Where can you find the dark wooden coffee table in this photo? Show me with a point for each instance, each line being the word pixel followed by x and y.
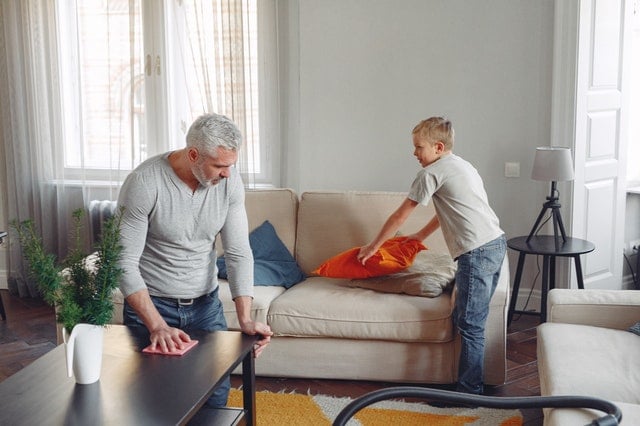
pixel 134 388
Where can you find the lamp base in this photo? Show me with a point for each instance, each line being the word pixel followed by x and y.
pixel 553 205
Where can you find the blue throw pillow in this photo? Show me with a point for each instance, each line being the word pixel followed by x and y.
pixel 273 264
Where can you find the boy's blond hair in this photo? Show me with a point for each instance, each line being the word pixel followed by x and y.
pixel 436 129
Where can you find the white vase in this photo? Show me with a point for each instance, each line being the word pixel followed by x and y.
pixel 84 352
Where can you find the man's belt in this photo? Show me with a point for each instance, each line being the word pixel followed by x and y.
pixel 183 301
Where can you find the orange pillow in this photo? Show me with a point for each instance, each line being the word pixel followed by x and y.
pixel 394 255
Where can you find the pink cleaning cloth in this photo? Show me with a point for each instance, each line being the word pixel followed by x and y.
pixel 185 347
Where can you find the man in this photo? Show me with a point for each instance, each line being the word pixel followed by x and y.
pixel 174 206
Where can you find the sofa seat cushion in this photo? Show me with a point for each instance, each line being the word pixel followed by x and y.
pixel 585 360
pixel 328 307
pixel 263 296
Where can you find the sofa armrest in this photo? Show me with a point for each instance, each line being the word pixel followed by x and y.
pixel 618 309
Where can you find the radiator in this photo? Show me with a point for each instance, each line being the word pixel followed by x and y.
pixel 99 211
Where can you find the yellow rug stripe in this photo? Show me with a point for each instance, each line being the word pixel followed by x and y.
pixel 320 410
pixel 283 409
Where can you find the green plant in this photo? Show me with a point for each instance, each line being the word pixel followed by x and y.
pixel 79 288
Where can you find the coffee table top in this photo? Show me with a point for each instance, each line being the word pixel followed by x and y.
pixel 134 387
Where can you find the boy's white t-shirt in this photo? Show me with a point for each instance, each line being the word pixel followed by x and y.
pixel 460 201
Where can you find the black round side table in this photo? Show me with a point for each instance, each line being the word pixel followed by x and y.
pixel 549 247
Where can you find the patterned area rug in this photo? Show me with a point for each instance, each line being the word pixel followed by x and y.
pixel 294 409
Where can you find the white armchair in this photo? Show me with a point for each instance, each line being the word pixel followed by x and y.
pixel 585 348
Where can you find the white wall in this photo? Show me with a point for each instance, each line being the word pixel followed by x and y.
pixel 357 75
pixel 369 70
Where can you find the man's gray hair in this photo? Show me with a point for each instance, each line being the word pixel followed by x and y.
pixel 210 131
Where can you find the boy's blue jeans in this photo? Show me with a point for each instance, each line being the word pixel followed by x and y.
pixel 476 281
pixel 204 315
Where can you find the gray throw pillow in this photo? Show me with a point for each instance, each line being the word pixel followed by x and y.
pixel 430 274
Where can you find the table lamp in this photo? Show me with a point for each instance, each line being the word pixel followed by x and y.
pixel 552 164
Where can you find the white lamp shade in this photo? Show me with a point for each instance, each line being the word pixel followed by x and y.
pixel 552 163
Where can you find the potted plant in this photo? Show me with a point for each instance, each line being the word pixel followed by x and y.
pixel 80 287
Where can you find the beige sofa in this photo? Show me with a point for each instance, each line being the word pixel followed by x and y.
pixel 585 349
pixel 326 329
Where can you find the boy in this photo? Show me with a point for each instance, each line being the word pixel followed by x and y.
pixel 471 230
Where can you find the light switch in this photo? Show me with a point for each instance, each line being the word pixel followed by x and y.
pixel 512 169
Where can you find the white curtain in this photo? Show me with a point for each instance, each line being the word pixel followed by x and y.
pixel 216 56
pixel 31 125
pixel 59 131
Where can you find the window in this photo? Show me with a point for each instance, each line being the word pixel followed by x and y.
pixel 135 73
pixel 102 84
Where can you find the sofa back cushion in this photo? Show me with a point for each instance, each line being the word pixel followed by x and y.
pixel 279 207
pixel 330 222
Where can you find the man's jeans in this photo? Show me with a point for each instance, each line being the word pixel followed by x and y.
pixel 476 281
pixel 206 314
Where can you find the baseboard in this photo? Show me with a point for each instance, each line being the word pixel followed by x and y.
pixel 627 283
pixel 528 300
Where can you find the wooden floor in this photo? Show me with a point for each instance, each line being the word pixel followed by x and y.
pixel 29 332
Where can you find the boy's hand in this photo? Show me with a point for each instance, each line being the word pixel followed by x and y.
pixel 365 253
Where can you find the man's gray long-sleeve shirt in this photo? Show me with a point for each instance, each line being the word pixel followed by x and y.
pixel 168 233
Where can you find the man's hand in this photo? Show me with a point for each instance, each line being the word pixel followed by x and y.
pixel 263 330
pixel 249 326
pixel 163 337
pixel 168 339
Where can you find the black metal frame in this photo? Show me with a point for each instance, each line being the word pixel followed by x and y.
pixel 613 414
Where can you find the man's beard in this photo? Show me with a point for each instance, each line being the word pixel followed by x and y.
pixel 201 178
